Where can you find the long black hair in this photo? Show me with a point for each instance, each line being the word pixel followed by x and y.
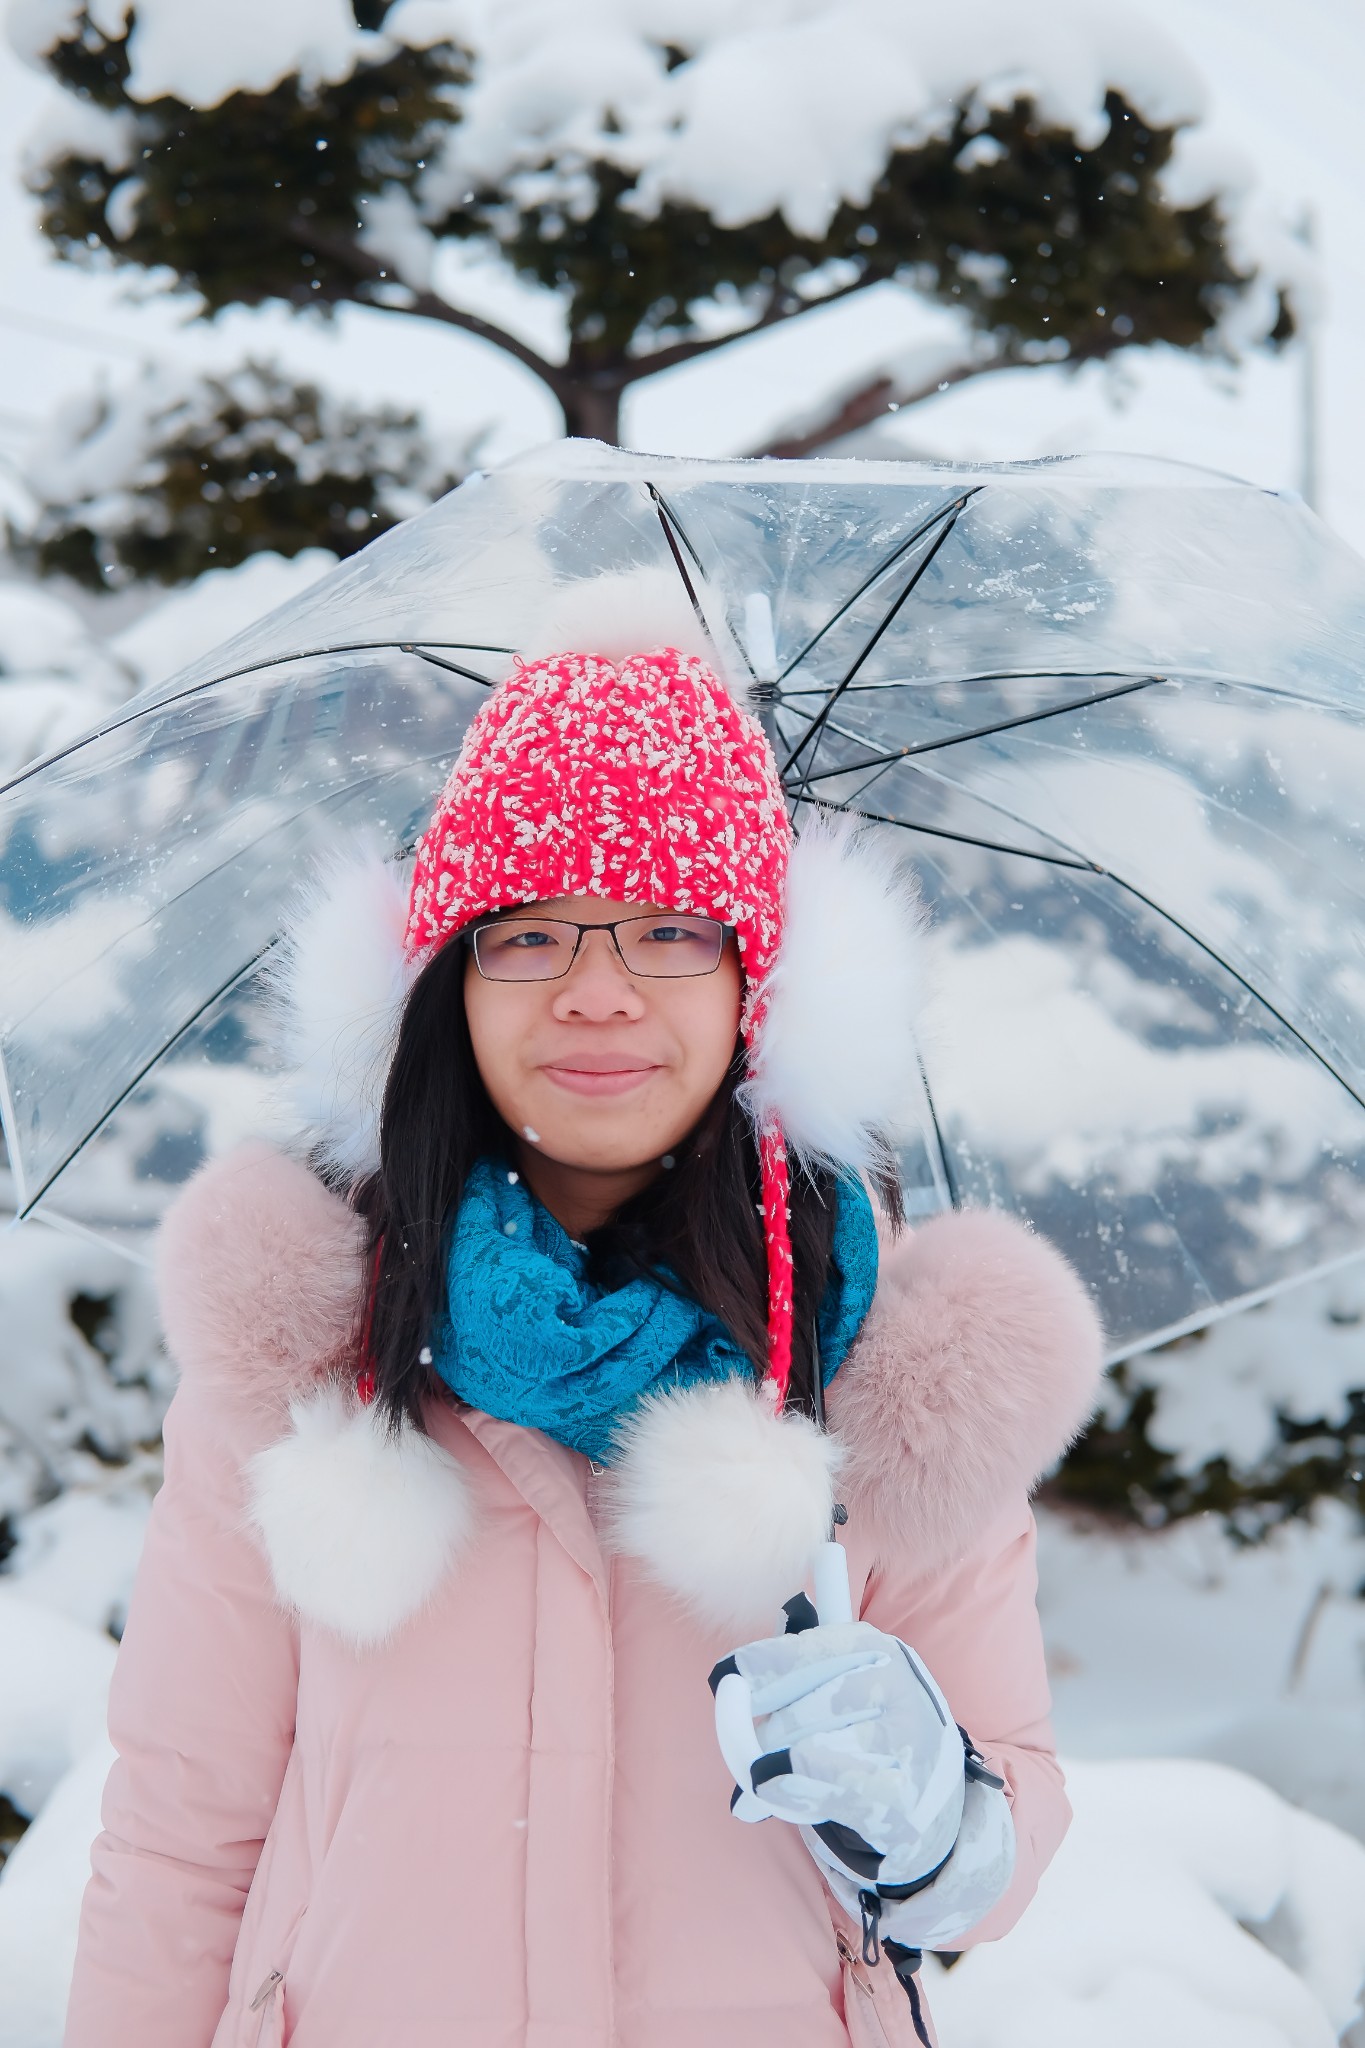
pixel 696 1227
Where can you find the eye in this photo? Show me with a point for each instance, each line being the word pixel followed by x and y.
pixel 519 938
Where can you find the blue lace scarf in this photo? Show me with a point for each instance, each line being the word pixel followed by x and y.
pixel 527 1337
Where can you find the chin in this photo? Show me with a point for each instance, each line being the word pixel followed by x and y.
pixel 602 1137
pixel 602 1144
pixel 594 1156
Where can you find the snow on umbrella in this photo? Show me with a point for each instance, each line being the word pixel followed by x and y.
pixel 1113 712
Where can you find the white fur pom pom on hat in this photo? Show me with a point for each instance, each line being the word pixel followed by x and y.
pixel 834 1062
pixel 339 990
pixel 359 1526
pixel 723 1502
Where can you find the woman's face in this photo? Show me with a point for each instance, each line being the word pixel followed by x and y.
pixel 603 1072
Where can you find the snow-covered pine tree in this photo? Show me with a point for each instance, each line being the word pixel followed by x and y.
pixel 678 177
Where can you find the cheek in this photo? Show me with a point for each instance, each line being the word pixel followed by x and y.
pixel 712 1025
pixel 497 1031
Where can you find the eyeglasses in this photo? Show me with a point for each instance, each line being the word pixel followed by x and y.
pixel 545 948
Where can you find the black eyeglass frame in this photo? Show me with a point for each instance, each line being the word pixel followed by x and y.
pixel 470 937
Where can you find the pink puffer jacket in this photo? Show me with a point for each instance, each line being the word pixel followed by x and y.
pixel 416 1759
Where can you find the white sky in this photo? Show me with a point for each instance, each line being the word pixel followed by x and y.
pixel 1284 87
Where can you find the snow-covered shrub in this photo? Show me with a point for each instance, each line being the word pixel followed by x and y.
pixel 1253 1418
pixel 176 474
pixel 83 1387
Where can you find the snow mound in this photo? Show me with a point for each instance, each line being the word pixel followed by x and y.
pixel 40 1903
pixel 54 1677
pixel 1188 1905
pixel 54 1757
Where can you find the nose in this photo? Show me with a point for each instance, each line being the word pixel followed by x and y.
pixel 597 987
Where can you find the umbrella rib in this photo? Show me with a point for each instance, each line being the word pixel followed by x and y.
pixel 454 668
pixel 1055 860
pixel 668 517
pixel 976 732
pixel 950 510
pixel 232 675
pixel 821 718
pixel 988 675
pixel 1258 995
pixel 674 531
pixel 9 1130
pixel 1220 1311
pixel 681 566
pixel 238 974
pixel 950 1178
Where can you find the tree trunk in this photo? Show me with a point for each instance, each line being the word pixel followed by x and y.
pixel 592 410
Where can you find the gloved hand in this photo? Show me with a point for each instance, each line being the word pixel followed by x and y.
pixel 840 1729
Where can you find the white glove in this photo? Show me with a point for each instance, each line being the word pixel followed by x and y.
pixel 841 1730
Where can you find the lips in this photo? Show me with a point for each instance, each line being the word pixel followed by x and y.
pixel 600 1073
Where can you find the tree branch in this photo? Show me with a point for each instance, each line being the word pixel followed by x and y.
pixel 426 305
pixel 782 306
pixel 871 402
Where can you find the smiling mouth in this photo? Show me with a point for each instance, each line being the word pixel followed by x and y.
pixel 600 1074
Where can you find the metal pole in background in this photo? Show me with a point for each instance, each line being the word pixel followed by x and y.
pixel 1310 477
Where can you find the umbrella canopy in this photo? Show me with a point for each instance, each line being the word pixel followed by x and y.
pixel 1113 712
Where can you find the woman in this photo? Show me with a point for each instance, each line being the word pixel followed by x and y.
pixel 500 1431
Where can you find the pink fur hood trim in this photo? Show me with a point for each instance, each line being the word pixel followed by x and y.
pixel 978 1364
pixel 258 1278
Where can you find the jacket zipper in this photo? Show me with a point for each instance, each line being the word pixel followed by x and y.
pixel 275 1977
pixel 848 1954
pixel 261 2002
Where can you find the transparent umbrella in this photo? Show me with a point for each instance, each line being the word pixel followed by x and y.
pixel 1112 711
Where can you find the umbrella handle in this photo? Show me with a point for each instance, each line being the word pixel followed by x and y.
pixel 829 1572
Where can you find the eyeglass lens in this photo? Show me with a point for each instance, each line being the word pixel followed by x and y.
pixel 542 949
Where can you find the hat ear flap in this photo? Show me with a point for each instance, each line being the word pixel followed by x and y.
pixel 339 988
pixel 834 1059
